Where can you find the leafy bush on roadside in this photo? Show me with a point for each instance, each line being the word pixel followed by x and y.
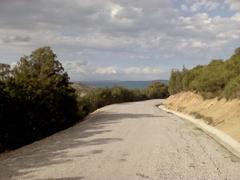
pixel 35 100
pixel 232 90
pixel 157 90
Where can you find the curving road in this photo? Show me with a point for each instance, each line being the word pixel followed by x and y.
pixel 124 142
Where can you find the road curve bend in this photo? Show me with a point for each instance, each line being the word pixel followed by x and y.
pixel 130 141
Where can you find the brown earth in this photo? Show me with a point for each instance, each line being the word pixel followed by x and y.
pixel 220 113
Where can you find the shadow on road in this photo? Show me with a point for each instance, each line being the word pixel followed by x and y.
pixel 66 178
pixel 54 150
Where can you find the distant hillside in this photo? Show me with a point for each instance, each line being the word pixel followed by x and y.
pixel 125 84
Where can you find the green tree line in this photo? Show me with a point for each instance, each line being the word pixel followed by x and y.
pixel 217 79
pixel 100 97
pixel 37 99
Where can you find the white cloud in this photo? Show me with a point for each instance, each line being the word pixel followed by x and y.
pixel 131 70
pixel 202 5
pixel 144 70
pixel 236 17
pixel 83 68
pixel 205 4
pixel 73 67
pixel 16 39
pixel 234 4
pixel 115 9
pixel 198 44
pixel 184 7
pixel 106 70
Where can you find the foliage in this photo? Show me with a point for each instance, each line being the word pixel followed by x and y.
pixel 175 82
pixel 157 90
pixel 237 52
pixel 232 90
pixel 217 79
pixel 4 71
pixel 36 100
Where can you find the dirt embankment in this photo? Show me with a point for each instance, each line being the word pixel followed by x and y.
pixel 222 114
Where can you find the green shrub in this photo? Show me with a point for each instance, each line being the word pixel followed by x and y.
pixel 232 90
pixel 36 100
pixel 157 90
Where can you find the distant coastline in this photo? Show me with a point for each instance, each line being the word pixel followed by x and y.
pixel 125 84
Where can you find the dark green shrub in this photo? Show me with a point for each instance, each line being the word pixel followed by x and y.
pixel 157 90
pixel 36 100
pixel 232 90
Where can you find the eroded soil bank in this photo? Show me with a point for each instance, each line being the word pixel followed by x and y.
pixel 222 114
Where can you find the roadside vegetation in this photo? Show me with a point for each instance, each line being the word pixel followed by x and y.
pixel 37 99
pixel 100 97
pixel 208 120
pixel 217 79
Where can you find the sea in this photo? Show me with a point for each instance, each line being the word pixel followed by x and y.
pixel 125 84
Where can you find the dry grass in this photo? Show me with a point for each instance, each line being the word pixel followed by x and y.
pixel 208 120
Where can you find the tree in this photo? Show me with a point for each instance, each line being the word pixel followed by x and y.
pixel 157 90
pixel 217 79
pixel 232 90
pixel 5 70
pixel 237 52
pixel 41 100
pixel 175 84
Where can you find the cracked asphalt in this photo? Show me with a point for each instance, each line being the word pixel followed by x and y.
pixel 124 142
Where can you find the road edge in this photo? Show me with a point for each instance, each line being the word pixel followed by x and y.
pixel 221 137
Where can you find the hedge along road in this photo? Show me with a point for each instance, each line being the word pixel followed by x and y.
pixel 125 141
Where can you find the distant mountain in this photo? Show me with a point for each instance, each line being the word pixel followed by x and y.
pixel 125 84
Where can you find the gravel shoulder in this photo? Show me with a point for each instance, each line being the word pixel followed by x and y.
pixel 125 141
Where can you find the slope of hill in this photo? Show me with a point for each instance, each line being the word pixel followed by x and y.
pixel 220 113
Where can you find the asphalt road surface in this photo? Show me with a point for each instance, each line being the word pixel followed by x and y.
pixel 124 142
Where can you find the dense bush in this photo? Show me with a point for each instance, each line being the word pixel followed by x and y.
pixel 217 79
pixel 232 90
pixel 35 99
pixel 157 90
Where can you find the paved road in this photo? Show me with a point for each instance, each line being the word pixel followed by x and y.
pixel 124 142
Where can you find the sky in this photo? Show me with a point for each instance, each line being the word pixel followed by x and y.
pixel 121 39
